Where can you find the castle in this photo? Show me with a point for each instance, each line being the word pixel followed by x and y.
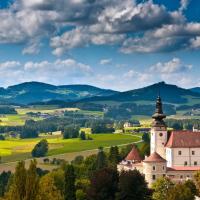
pixel 175 155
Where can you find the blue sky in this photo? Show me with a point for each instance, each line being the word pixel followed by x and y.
pixel 103 43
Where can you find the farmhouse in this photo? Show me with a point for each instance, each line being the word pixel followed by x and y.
pixel 175 154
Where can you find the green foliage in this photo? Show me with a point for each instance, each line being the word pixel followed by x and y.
pixel 144 150
pixel 82 186
pixel 161 188
pixel 71 132
pixel 2 137
pixel 82 135
pixel 90 164
pixel 29 130
pixel 114 156
pixel 17 189
pixel 78 160
pixel 101 127
pixel 104 184
pixel 7 110
pixel 180 192
pixel 40 149
pixel 4 179
pixel 101 159
pixel 146 138
pixel 48 190
pixel 70 191
pixel 197 181
pixel 32 182
pixel 132 185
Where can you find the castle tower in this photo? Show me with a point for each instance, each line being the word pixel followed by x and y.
pixel 154 167
pixel 158 130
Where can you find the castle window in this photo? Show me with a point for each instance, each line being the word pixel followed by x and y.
pixel 154 177
pixel 154 168
pixel 195 162
pixel 163 167
pixel 193 152
pixel 181 177
pixel 185 163
pixel 160 134
pixel 179 153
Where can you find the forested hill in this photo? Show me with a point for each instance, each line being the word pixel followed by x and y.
pixel 169 93
pixel 30 92
pixel 196 89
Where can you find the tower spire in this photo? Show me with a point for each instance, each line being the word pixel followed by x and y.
pixel 159 115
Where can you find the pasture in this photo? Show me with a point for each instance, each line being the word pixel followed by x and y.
pixel 20 149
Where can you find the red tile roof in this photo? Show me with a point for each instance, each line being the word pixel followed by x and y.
pixel 184 168
pixel 184 139
pixel 134 155
pixel 154 157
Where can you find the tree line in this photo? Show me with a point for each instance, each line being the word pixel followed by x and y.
pixel 92 178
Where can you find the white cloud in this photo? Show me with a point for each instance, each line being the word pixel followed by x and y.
pixel 165 39
pixel 105 61
pixel 95 22
pixel 184 4
pixel 171 67
pixel 52 72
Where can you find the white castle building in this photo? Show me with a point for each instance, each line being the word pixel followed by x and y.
pixel 175 154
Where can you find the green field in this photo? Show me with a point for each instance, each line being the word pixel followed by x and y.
pixel 17 149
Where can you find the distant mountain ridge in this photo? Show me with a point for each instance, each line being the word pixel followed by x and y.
pixel 169 93
pixel 196 89
pixel 30 92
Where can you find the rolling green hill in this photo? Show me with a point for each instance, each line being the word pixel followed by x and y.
pixel 30 92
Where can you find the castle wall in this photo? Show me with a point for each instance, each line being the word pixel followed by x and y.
pixel 183 157
pixel 153 171
pixel 178 176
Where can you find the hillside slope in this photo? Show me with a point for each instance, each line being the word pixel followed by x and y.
pixel 170 94
pixel 30 92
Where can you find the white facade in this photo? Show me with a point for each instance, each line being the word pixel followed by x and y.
pixel 183 157
pixel 158 140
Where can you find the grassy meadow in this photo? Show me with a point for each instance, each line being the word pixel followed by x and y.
pixel 17 149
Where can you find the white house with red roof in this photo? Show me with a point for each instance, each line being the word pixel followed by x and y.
pixel 175 154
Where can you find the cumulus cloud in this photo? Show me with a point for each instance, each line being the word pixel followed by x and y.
pixel 94 22
pixel 165 39
pixel 53 72
pixel 171 67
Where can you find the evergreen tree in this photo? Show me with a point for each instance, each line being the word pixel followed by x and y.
pixel 114 156
pixel 48 190
pixel 4 179
pixel 17 189
pixel 104 184
pixel 146 138
pixel 132 185
pixel 32 181
pixel 70 191
pixel 101 159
